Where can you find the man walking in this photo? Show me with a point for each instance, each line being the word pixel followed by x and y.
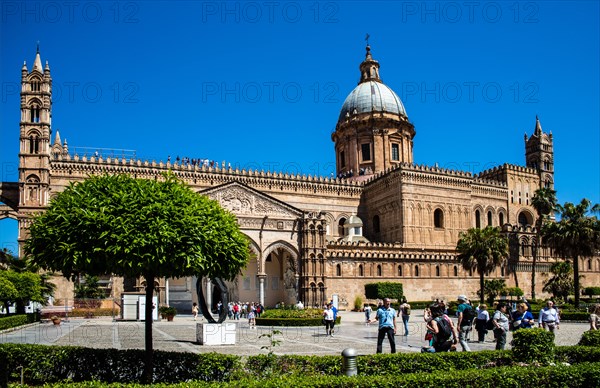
pixel 465 319
pixel 386 316
pixel 549 318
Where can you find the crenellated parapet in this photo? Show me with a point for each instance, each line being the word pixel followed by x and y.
pixel 425 174
pixel 505 168
pixel 202 175
pixel 373 251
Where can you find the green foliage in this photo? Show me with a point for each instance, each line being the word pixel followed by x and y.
pixel 166 311
pixel 13 321
pixel 20 288
pixel 287 322
pixel 89 288
pixel 514 291
pixel 482 250
pixel 293 313
pixel 591 291
pixel 590 338
pixel 562 284
pixel 384 290
pixel 132 227
pixel 575 235
pixel 358 303
pixel 533 345
pixel 492 289
pixel 273 342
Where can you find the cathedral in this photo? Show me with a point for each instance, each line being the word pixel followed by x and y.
pixel 382 218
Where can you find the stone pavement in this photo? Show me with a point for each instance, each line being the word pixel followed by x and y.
pixel 180 335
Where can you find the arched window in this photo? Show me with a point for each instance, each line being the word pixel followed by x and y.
pixel 376 224
pixel 378 270
pixel 502 271
pixel 437 270
pixel 341 227
pixel 361 272
pixel 399 270
pixel 438 218
pixel 523 219
pixel 455 271
pixel 489 218
pixel 338 270
pixel 590 264
pixel 416 270
pixel 501 219
pixel 477 219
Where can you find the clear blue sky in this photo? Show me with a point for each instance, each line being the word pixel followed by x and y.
pixel 260 84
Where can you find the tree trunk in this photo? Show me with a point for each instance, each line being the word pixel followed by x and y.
pixel 576 279
pixel 481 297
pixel 149 365
pixel 533 264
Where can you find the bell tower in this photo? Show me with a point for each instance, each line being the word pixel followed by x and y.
pixel 539 154
pixel 34 151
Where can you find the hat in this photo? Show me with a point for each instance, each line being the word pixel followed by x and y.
pixel 462 297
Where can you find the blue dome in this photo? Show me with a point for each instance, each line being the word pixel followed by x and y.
pixel 372 96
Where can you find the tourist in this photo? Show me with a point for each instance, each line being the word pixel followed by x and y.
pixel 500 321
pixel 328 319
pixel 522 318
pixel 368 310
pixel 445 336
pixel 483 316
pixel 195 310
pixel 549 318
pixel 386 316
pixel 465 320
pixel 404 310
pixel 595 317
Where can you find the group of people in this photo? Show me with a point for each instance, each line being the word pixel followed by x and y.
pixel 237 310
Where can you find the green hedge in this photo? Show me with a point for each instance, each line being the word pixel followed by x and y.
pixel 578 376
pixel 590 338
pixel 18 320
pixel 57 363
pixel 384 290
pixel 293 321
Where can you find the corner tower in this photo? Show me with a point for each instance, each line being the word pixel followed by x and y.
pixel 373 132
pixel 539 154
pixel 34 151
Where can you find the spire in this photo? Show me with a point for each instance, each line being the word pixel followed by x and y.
pixel 369 68
pixel 538 127
pixel 37 63
pixel 57 138
pixel 24 68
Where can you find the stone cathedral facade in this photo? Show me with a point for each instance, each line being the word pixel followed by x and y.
pixel 384 218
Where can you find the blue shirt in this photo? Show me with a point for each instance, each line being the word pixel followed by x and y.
pixel 386 317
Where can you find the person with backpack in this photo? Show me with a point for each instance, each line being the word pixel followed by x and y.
pixel 466 314
pixel 444 333
pixel 404 310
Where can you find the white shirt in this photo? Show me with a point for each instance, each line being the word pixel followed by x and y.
pixel 328 314
pixel 548 315
pixel 483 315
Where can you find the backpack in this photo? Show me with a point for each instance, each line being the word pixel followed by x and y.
pixel 468 316
pixel 489 325
pixel 444 330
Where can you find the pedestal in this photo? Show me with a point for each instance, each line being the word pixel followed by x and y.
pixel 216 333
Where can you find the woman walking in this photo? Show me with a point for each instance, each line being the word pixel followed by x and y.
pixel 500 320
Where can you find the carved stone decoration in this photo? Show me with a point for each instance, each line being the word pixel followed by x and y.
pixel 242 200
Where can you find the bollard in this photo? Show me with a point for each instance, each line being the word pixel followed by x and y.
pixel 349 362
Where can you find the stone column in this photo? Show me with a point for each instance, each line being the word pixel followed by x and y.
pixel 209 295
pixel 261 289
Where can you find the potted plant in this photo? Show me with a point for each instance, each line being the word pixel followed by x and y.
pixel 55 319
pixel 167 312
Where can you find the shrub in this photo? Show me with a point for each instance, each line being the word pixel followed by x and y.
pixel 384 290
pixel 92 312
pixel 591 291
pixel 590 338
pixel 533 345
pixel 13 321
pixel 358 303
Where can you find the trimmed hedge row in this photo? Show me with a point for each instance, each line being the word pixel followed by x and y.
pixel 18 320
pixel 577 376
pixel 93 312
pixel 57 363
pixel 293 321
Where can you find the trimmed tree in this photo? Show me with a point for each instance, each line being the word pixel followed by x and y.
pixel 576 235
pixel 482 250
pixel 137 227
pixel 561 285
pixel 544 203
pixel 384 290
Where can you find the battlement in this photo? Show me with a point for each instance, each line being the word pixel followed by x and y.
pixel 506 167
